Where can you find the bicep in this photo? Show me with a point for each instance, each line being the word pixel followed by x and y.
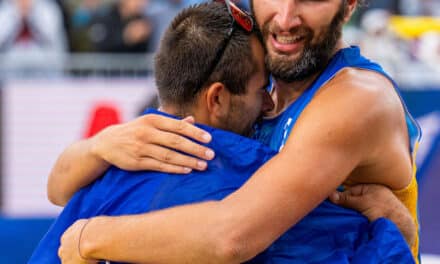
pixel 316 159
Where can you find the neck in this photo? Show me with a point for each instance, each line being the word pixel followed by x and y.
pixel 285 93
pixel 176 111
pixel 185 112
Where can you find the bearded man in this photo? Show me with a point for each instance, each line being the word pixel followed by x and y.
pixel 337 120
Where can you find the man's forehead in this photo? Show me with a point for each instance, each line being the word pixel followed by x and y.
pixel 359 2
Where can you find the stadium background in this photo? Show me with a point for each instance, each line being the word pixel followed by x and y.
pixel 50 98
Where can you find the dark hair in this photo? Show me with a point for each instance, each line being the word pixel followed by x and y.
pixel 189 47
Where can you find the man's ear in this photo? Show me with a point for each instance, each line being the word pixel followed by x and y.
pixel 217 98
pixel 351 7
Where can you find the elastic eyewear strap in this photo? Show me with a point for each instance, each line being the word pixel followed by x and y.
pixel 241 17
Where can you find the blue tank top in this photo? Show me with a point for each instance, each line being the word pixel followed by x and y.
pixel 274 132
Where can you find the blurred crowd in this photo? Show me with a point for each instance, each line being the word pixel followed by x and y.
pixel 45 29
pixel 110 26
pixel 403 36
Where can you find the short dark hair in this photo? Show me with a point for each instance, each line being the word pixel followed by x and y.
pixel 189 47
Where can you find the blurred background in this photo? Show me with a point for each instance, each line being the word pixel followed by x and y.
pixel 68 68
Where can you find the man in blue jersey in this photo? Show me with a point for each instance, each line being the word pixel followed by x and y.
pixel 213 97
pixel 121 192
pixel 342 136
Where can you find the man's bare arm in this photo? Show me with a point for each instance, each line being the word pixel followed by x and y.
pixel 142 144
pixel 322 150
pixel 231 231
pixel 317 158
pixel 375 201
pixel 76 167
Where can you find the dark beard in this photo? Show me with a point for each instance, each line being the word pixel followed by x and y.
pixel 314 57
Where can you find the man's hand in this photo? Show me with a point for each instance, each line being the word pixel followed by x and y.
pixel 375 201
pixel 147 143
pixel 69 251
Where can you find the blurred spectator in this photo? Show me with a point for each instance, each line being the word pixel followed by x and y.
pixel 32 33
pixel 406 7
pixel 431 7
pixel 410 7
pixel 428 50
pixel 379 43
pixel 161 13
pixel 81 16
pixel 65 18
pixel 184 3
pixel 391 6
pixel 122 28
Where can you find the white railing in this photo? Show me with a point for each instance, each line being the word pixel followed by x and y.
pixel 409 74
pixel 75 65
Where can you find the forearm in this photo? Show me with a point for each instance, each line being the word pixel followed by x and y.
pixel 76 167
pixel 187 234
pixel 240 226
pixel 403 220
pixel 376 201
pixel 230 231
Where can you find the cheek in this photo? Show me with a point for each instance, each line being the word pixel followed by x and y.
pixel 263 10
pixel 318 24
pixel 248 115
pixel 320 33
pixel 255 108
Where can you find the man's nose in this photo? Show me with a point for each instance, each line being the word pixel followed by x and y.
pixel 288 15
pixel 268 103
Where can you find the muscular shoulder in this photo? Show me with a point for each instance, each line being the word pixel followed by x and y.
pixel 364 92
pixel 357 108
pixel 380 115
pixel 367 84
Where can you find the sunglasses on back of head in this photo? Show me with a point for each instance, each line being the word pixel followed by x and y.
pixel 239 18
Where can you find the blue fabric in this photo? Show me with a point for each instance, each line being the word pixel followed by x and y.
pixel 274 132
pixel 330 234
pixel 20 236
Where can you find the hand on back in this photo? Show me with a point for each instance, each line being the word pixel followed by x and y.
pixel 375 201
pixel 150 143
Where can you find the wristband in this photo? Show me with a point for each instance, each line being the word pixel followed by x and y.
pixel 80 236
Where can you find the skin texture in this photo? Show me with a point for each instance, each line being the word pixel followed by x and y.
pixel 138 149
pixel 364 198
pixel 371 149
pixel 145 142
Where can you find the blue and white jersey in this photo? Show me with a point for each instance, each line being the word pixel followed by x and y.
pixel 275 132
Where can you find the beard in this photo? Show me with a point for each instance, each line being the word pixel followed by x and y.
pixel 239 119
pixel 314 57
